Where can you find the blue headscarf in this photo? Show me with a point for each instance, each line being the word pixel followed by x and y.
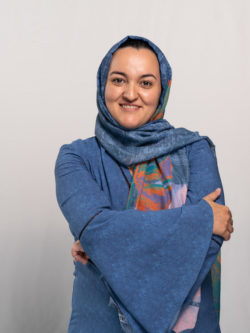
pixel 153 139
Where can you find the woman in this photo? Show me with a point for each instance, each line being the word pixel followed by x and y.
pixel 145 202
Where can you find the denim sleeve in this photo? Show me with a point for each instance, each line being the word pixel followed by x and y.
pixel 144 256
pixel 204 178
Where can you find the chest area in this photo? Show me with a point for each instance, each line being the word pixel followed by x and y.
pixel 158 185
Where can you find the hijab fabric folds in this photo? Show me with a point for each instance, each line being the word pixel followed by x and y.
pixel 156 157
pixel 155 138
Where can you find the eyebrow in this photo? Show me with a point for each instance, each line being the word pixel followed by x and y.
pixel 123 74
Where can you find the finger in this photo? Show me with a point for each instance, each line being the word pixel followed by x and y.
pixel 74 248
pixel 231 217
pixel 82 260
pixel 227 236
pixel 230 228
pixel 82 254
pixel 76 244
pixel 75 252
pixel 77 247
pixel 213 195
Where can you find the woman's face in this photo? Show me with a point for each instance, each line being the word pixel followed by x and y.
pixel 133 86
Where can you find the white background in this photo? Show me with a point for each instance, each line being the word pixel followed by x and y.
pixel 50 51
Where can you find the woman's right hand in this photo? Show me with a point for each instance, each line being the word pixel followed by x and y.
pixel 78 253
pixel 223 222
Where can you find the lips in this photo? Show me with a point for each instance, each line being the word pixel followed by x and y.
pixel 130 107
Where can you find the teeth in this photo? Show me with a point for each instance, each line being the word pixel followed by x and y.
pixel 129 106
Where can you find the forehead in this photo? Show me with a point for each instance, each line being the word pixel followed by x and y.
pixel 134 60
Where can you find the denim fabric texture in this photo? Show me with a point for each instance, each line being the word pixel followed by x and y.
pixel 149 264
pixel 142 277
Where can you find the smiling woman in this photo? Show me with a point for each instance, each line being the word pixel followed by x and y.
pixel 133 86
pixel 142 201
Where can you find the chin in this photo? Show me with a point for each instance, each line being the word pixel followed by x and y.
pixel 130 125
pixel 129 121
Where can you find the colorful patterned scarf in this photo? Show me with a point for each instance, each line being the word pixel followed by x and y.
pixel 152 188
pixel 156 156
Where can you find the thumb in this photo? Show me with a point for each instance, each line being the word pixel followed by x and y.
pixel 213 195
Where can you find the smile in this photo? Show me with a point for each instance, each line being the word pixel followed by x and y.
pixel 130 106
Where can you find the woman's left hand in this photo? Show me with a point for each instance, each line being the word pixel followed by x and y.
pixel 78 253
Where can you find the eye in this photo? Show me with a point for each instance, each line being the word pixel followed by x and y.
pixel 118 80
pixel 146 84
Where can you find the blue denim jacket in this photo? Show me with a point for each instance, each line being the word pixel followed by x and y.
pixel 153 262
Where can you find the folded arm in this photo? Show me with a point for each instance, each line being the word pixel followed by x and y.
pixel 120 244
pixel 204 178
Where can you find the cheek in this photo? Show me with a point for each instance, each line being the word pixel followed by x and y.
pixel 111 93
pixel 151 97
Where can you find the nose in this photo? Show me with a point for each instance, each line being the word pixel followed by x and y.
pixel 130 92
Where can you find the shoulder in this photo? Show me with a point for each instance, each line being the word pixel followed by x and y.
pixel 79 153
pixel 202 146
pixel 85 149
pixel 202 157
